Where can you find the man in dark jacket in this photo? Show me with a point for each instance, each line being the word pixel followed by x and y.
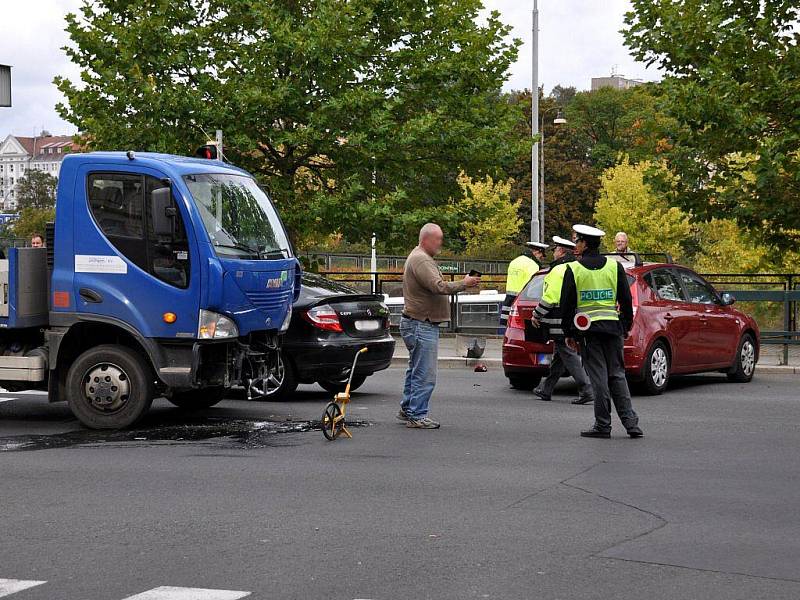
pixel 596 290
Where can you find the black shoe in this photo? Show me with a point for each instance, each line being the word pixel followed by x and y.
pixel 635 432
pixel 541 395
pixel 585 400
pixel 596 433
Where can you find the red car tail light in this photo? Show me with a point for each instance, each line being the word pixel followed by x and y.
pixel 635 296
pixel 515 320
pixel 323 317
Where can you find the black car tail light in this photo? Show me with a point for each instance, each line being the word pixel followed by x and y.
pixel 323 317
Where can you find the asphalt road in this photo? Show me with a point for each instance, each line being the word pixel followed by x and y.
pixel 505 501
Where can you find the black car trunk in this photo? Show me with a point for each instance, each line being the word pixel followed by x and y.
pixel 361 316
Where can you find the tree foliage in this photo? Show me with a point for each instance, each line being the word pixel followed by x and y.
pixel 732 85
pixel 358 115
pixel 36 189
pixel 488 217
pixel 32 220
pixel 628 203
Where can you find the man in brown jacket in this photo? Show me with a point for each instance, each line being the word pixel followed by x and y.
pixel 426 305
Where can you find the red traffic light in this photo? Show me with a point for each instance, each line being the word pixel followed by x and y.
pixel 209 152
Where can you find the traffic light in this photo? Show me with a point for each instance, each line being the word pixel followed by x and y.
pixel 209 152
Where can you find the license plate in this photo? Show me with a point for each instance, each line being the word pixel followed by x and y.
pixel 544 359
pixel 370 325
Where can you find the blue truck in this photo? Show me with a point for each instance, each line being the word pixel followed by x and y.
pixel 162 276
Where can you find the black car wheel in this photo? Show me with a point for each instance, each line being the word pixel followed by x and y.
pixel 656 370
pixel 745 365
pixel 524 382
pixel 197 399
pixel 110 387
pixel 338 386
pixel 281 383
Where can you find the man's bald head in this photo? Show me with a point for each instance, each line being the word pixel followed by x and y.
pixel 431 238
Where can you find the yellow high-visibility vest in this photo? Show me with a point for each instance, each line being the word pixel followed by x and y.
pixel 597 290
pixel 520 271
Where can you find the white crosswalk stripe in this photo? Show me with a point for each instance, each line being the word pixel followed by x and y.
pixel 12 586
pixel 182 593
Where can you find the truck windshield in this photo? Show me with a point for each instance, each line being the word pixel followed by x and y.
pixel 238 216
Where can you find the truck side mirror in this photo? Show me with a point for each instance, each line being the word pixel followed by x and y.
pixel 162 211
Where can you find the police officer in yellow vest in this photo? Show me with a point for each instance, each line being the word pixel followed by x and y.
pixel 548 314
pixel 520 271
pixel 596 287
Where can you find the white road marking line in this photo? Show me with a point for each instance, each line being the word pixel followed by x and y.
pixel 8 399
pixel 12 586
pixel 182 593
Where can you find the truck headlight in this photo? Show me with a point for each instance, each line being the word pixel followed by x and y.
pixel 287 320
pixel 214 326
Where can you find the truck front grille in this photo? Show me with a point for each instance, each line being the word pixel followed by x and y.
pixel 270 300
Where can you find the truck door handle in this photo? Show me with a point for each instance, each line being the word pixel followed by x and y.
pixel 90 295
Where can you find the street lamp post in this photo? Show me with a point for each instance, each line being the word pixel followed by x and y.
pixel 535 227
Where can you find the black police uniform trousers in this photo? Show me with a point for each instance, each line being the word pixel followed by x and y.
pixel 565 359
pixel 604 362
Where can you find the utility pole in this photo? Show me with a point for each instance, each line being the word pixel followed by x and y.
pixel 535 227
pixel 220 155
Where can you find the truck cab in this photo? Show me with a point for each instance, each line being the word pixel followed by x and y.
pixel 162 275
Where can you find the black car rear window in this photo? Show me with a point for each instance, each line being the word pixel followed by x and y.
pixel 316 285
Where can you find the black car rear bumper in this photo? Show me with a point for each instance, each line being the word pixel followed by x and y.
pixel 320 360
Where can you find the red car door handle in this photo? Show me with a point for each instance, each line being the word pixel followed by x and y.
pixel 668 317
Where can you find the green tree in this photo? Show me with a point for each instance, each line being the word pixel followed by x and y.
pixel 32 220
pixel 36 189
pixel 628 203
pixel 488 217
pixel 357 115
pixel 616 122
pixel 732 85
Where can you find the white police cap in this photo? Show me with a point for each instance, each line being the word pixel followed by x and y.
pixel 537 245
pixel 587 231
pixel 563 242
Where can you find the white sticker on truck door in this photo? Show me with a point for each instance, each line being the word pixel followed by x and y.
pixel 93 263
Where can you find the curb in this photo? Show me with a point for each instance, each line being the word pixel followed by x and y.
pixel 457 362
pixel 452 362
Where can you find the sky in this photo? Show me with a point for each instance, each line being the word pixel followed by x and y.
pixel 578 40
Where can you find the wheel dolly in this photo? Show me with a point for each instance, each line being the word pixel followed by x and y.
pixel 333 417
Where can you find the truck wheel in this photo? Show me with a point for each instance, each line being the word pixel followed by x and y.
pixel 656 370
pixel 197 399
pixel 745 365
pixel 524 382
pixel 334 387
pixel 109 387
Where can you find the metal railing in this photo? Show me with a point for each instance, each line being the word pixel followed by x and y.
pixel 772 298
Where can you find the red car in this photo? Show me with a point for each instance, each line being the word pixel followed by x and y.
pixel 681 324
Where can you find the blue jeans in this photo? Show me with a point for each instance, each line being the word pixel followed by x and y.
pixel 422 340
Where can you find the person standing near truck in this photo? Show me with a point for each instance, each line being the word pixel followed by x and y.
pixel 426 298
pixel 548 314
pixel 520 271
pixel 596 288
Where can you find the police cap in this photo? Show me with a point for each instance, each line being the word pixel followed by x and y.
pixel 587 232
pixel 537 246
pixel 563 242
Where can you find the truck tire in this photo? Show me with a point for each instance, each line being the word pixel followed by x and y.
pixel 197 399
pixel 109 387
pixel 334 387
